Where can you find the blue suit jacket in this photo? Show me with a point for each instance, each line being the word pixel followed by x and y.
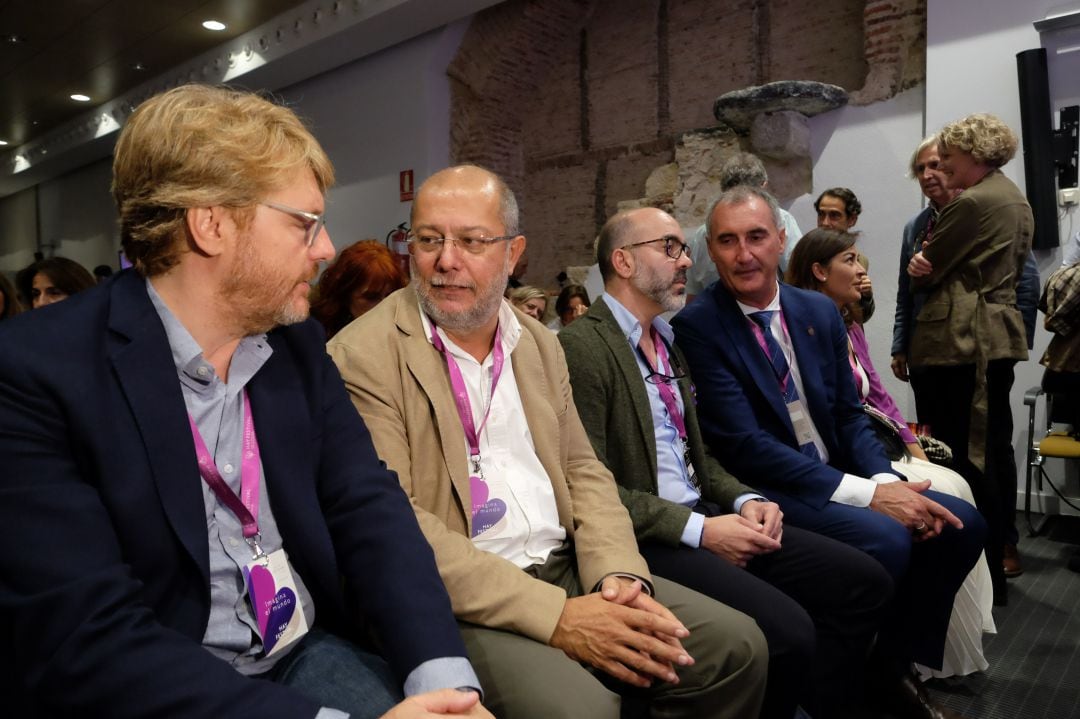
pixel 742 414
pixel 104 576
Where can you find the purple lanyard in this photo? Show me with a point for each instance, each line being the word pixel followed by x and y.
pixel 667 395
pixel 760 335
pixel 246 506
pixel 461 394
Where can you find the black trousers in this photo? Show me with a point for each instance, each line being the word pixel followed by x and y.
pixel 943 398
pixel 818 602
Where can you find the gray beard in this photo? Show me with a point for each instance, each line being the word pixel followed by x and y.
pixel 487 304
pixel 658 290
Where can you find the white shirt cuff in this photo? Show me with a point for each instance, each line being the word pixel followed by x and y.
pixel 854 491
pixel 691 534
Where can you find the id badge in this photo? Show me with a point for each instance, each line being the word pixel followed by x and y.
pixel 690 471
pixel 800 420
pixel 272 593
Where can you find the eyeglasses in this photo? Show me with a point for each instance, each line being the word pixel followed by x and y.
pixel 657 377
pixel 472 245
pixel 313 223
pixel 673 247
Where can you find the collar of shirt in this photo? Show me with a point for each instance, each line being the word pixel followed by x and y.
pixel 194 371
pixel 772 306
pixel 632 328
pixel 508 323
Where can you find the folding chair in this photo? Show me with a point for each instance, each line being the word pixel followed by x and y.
pixel 1049 442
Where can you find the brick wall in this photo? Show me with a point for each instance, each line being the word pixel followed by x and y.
pixel 575 102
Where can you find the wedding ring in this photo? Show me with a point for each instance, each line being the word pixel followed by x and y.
pixel 921 528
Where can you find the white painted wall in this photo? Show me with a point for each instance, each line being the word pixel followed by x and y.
pixel 375 117
pixel 867 149
pixel 77 217
pixel 18 231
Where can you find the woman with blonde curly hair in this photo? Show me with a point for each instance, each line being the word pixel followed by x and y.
pixel 969 334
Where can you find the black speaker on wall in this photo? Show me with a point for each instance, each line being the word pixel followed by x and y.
pixel 1049 154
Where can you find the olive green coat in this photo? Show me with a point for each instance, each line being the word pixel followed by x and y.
pixel 614 407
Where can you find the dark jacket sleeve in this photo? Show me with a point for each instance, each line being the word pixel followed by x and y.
pixel 1027 297
pixel 904 303
pixel 83 642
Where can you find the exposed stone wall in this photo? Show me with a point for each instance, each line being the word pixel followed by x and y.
pixel 578 103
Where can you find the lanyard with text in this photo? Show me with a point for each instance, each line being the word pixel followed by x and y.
pixel 246 506
pixel 667 396
pixel 461 394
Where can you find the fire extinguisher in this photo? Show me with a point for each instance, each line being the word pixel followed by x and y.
pixel 398 242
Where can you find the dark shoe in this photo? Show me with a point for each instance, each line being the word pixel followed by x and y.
pixel 908 699
pixel 1074 561
pixel 1011 562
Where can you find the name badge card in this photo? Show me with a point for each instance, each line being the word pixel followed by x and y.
pixel 800 420
pixel 273 596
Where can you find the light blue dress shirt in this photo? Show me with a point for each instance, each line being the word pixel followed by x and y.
pixel 672 477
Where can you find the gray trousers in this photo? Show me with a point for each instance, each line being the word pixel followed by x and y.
pixel 524 679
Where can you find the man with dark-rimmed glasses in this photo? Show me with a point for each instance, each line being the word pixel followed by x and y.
pixel 696 524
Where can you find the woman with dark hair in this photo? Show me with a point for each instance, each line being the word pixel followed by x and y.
pixel 969 334
pixel 571 303
pixel 361 277
pixel 827 261
pixel 9 301
pixel 55 279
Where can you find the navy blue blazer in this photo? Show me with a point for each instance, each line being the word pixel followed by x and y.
pixel 104 576
pixel 740 408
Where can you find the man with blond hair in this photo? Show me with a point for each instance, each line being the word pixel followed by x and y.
pixel 469 401
pixel 194 521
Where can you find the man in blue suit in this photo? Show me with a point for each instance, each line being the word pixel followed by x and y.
pixel 777 402
pixel 193 520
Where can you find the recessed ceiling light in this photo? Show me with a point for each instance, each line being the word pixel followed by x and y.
pixel 14 39
pixel 214 25
pixel 80 98
pixel 3 142
pixel 138 67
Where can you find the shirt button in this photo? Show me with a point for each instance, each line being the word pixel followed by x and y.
pixel 202 371
pixel 234 542
pixel 228 469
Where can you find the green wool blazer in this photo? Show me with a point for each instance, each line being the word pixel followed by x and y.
pixel 614 407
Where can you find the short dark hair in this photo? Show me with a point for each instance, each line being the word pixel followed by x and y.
pixel 68 275
pixel 852 206
pixel 562 302
pixel 611 238
pixel 819 246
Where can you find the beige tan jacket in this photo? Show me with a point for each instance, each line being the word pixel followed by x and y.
pixel 399 383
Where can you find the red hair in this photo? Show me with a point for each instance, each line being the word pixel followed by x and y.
pixel 367 265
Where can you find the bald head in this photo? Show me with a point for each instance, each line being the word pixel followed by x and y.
pixel 621 229
pixel 474 181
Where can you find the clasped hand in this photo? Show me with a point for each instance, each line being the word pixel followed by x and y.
pixel 738 539
pixel 624 632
